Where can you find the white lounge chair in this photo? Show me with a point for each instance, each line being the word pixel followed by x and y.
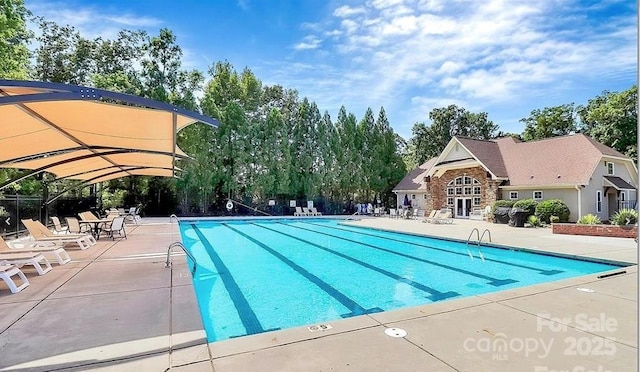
pixel 43 236
pixel 306 211
pixel 392 213
pixel 27 258
pixel 55 250
pixel 431 216
pixel 298 212
pixel 315 212
pixel 7 271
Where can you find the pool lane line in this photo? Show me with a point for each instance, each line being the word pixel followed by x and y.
pixel 247 316
pixel 435 295
pixel 347 302
pixel 540 271
pixel 492 281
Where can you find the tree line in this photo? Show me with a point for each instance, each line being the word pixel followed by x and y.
pixel 271 143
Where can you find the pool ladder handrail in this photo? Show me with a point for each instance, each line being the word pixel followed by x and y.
pixel 172 217
pixel 478 242
pixel 178 244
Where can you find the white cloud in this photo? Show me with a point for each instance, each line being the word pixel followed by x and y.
pixel 395 52
pixel 92 22
pixel 347 11
pixel 308 42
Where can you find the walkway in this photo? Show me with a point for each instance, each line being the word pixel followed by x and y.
pixel 117 308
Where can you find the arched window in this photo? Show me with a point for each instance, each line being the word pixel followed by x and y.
pixel 464 186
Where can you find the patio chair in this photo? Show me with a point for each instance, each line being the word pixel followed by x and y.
pixel 298 211
pixel 37 260
pixel 306 211
pixel 444 217
pixel 74 226
pixel 42 236
pixel 431 216
pixel 55 250
pixel 315 212
pixel 416 214
pixel 57 226
pixel 392 213
pixel 134 215
pixel 7 271
pixel 116 225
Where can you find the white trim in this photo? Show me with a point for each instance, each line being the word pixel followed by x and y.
pixel 533 195
pixel 447 150
pixel 511 197
pixel 613 168
pixel 540 187
pixel 598 200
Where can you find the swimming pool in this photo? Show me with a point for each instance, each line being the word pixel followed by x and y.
pixel 255 276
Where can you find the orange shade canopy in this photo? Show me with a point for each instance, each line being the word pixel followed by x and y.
pixel 88 134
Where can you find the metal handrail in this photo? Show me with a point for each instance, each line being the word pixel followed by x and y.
pixel 173 216
pixel 178 244
pixel 482 236
pixel 477 234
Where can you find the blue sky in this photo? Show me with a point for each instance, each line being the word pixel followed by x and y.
pixel 505 58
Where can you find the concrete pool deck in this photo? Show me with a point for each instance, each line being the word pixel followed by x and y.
pixel 115 307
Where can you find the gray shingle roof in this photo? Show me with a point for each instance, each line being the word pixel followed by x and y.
pixel 566 160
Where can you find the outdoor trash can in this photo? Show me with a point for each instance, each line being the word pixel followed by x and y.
pixel 501 214
pixel 517 217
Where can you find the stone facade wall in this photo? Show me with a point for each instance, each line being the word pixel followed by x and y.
pixel 595 230
pixel 437 188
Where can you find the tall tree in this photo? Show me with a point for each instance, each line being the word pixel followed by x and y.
pixel 550 122
pixel 429 141
pixel 612 119
pixel 14 37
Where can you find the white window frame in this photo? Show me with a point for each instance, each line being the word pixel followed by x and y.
pixel 425 197
pixel 541 195
pixel 511 195
pixel 611 168
pixel 598 201
pixel 477 200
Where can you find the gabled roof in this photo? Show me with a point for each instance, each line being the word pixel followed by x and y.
pixel 566 160
pixel 488 153
pixel 413 180
pixel 618 183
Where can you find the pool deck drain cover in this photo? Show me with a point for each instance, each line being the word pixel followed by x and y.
pixel 395 332
pixel 319 327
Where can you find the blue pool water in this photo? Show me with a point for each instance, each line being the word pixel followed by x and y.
pixel 259 275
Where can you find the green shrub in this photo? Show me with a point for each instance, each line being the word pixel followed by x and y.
pixel 625 216
pixel 501 203
pixel 534 221
pixel 552 207
pixel 529 205
pixel 554 219
pixel 589 219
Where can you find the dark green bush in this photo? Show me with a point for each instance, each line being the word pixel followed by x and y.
pixel 625 216
pixel 528 205
pixel 501 203
pixel 552 207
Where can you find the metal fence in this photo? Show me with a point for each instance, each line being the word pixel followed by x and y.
pixel 14 208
